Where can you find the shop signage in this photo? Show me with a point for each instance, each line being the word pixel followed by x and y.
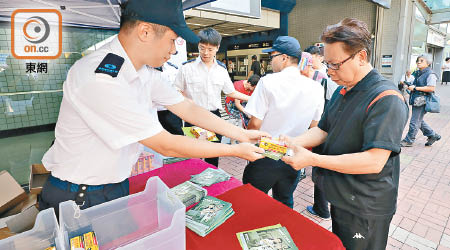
pixel 435 38
pixel 256 45
pixel 244 8
pixel 386 61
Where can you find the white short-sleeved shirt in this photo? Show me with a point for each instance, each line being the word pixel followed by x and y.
pixel 169 72
pixel 286 102
pixel 446 66
pixel 409 78
pixel 102 118
pixel 204 86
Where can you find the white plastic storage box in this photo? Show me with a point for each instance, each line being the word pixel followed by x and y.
pixel 44 234
pixel 152 219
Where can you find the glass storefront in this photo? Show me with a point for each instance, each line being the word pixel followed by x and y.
pixel 31 94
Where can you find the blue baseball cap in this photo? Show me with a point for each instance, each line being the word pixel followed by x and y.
pixel 286 45
pixel 164 12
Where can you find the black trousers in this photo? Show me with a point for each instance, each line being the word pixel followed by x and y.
pixel 215 160
pixel 320 203
pixel 170 122
pixel 358 233
pixel 52 195
pixel 265 174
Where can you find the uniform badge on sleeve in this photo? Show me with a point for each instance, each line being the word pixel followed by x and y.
pixel 110 65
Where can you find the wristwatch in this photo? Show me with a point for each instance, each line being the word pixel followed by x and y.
pixel 414 88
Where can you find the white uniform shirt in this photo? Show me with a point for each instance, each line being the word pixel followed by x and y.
pixel 204 86
pixel 102 118
pixel 169 72
pixel 286 102
pixel 331 87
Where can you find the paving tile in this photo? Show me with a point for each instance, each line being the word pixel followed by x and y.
pixel 420 229
pixel 445 241
pixel 407 224
pixel 394 244
pixel 400 234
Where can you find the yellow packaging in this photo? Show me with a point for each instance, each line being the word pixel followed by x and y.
pixel 50 248
pixel 76 243
pixel 90 241
pixel 197 132
pixel 272 145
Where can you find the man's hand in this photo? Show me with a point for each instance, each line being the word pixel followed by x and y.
pixel 253 136
pixel 248 151
pixel 286 139
pixel 411 87
pixel 302 157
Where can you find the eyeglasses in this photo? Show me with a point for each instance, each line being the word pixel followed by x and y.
pixel 203 49
pixel 272 56
pixel 336 66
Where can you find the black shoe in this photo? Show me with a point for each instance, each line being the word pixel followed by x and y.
pixel 432 139
pixel 311 211
pixel 406 143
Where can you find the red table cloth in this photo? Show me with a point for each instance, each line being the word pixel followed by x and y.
pixel 179 172
pixel 254 209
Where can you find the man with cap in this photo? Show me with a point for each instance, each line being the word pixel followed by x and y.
pixel 283 103
pixel 204 79
pixel 108 111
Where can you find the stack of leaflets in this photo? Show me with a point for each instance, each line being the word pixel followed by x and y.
pixel 271 237
pixel 170 160
pixel 208 214
pixel 210 176
pixel 189 193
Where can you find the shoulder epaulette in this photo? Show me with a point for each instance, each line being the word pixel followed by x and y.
pixel 188 61
pixel 110 65
pixel 222 64
pixel 173 65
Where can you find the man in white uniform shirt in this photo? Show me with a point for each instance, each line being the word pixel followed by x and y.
pixel 204 79
pixel 283 103
pixel 108 111
pixel 169 120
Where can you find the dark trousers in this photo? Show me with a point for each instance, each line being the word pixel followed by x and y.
pixel 215 160
pixel 320 203
pixel 53 194
pixel 358 233
pixel 265 174
pixel 417 123
pixel 170 122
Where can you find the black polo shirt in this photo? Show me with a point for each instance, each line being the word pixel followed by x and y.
pixel 352 127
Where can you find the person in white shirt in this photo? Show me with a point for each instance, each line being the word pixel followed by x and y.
pixel 446 71
pixel 406 80
pixel 108 112
pixel 317 63
pixel 283 103
pixel 204 79
pixel 169 120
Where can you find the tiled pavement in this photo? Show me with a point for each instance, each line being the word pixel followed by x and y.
pixel 423 208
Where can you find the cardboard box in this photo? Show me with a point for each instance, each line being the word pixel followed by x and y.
pixel 11 193
pixel 38 177
pixel 27 203
pixel 5 233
